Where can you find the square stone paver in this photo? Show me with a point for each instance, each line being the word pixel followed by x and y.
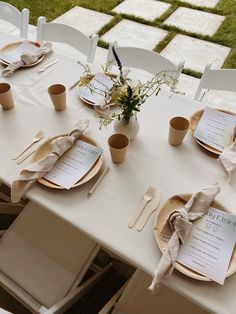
pixel 195 21
pixel 220 99
pixel 132 34
pixel 195 52
pixel 188 85
pixel 147 9
pixel 87 21
pixel 202 3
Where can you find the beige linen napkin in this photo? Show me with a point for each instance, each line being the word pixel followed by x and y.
pixel 27 59
pixel 228 158
pixel 180 221
pixel 38 169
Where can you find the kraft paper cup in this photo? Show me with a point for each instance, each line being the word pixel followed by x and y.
pixel 57 93
pixel 118 145
pixel 6 99
pixel 178 128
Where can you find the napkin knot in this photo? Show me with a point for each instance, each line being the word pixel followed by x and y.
pixel 38 169
pixel 177 227
pixel 27 59
pixel 59 146
pixel 180 223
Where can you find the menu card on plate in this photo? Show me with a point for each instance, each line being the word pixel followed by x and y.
pixel 216 128
pixel 96 89
pixel 210 243
pixel 15 54
pixel 74 164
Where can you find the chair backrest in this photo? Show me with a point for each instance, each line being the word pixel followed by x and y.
pixel 12 15
pixel 68 35
pixel 143 59
pixel 223 79
pixel 43 256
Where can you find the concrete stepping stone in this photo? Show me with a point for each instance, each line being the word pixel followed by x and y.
pixel 100 57
pixel 202 3
pixel 146 9
pixel 188 85
pixel 132 34
pixel 195 21
pixel 220 99
pixel 87 21
pixel 195 52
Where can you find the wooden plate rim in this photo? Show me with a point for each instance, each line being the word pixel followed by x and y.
pixel 90 102
pixel 85 178
pixel 161 243
pixel 192 129
pixel 17 43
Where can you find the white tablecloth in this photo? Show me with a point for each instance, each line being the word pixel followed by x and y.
pixel 150 161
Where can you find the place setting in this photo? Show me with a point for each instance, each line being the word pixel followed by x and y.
pixel 66 161
pixel 95 88
pixel 61 162
pixel 24 54
pixel 215 131
pixel 196 235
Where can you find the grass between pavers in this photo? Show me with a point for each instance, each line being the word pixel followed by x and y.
pixel 226 34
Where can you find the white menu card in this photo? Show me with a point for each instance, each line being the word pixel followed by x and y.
pixel 15 54
pixel 96 89
pixel 74 164
pixel 216 128
pixel 210 243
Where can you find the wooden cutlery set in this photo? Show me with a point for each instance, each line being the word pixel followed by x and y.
pixel 148 205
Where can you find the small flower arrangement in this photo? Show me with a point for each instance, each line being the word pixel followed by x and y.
pixel 128 96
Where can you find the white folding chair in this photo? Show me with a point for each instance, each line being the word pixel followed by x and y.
pixel 143 59
pixel 134 297
pixel 43 260
pixel 68 35
pixel 223 80
pixel 18 18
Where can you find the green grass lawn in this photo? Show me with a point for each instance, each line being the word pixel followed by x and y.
pixel 226 34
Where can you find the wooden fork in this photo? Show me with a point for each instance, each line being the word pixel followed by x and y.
pixel 148 195
pixel 153 205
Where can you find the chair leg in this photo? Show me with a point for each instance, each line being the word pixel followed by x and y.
pixel 111 303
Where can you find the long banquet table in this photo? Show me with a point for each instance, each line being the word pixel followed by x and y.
pixel 150 161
